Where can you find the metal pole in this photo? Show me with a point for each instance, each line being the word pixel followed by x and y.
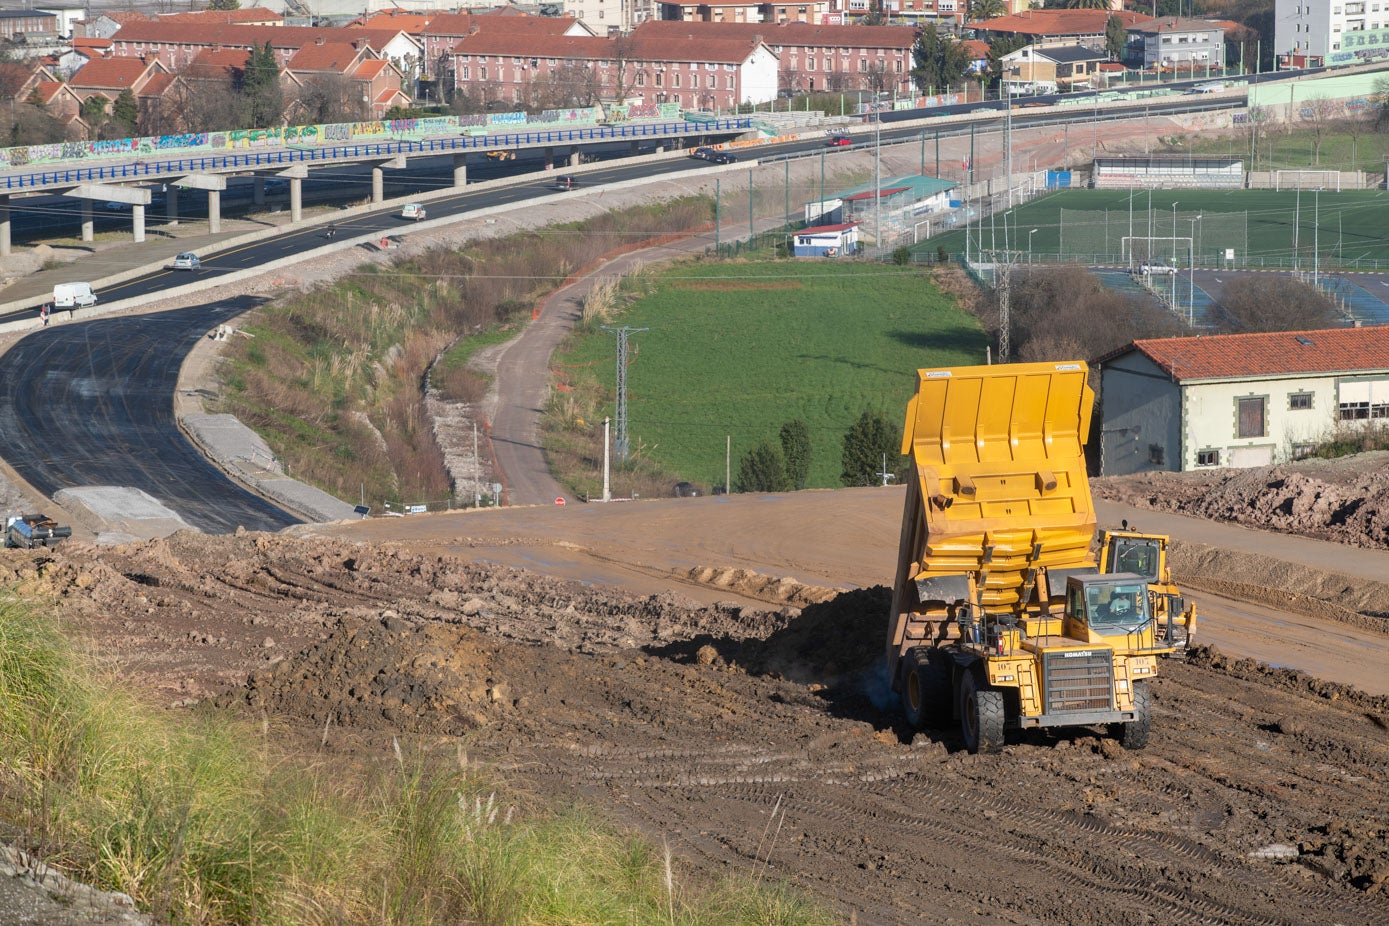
pixel 752 229
pixel 937 152
pixel 728 464
pixel 607 490
pixel 716 216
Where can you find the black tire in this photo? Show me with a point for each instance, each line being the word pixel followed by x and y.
pixel 925 687
pixel 981 715
pixel 1134 734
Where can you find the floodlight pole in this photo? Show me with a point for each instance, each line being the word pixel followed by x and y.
pixel 622 333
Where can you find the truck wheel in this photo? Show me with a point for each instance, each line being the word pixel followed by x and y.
pixel 1134 734
pixel 925 687
pixel 981 715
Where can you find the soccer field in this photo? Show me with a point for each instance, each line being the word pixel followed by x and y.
pixel 1215 228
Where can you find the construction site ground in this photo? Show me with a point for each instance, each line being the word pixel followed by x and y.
pixel 708 670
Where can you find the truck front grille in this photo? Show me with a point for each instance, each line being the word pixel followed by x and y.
pixel 1080 680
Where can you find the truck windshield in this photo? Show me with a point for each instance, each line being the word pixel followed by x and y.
pixel 1117 608
pixel 1136 556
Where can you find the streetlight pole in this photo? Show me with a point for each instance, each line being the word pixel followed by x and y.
pixel 1174 234
pixel 1029 246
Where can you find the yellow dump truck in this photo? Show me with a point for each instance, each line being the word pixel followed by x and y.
pixel 1001 618
pixel 1130 550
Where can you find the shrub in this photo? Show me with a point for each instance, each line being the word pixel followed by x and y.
pixel 795 449
pixel 870 442
pixel 762 469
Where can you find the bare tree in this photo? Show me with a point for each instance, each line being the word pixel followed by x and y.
pixel 196 104
pixel 331 98
pixel 26 124
pixel 1318 114
pixel 1261 302
pixel 569 85
pixel 878 78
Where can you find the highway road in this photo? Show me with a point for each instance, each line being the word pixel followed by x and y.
pixel 91 404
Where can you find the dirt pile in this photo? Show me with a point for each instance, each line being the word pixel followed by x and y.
pixel 1345 500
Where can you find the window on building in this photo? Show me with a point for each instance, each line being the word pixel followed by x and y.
pixel 1250 417
pixel 712 82
pixel 1208 458
pixel 660 79
pixel 641 78
pixel 463 74
pixel 482 73
pixel 1299 401
pixel 675 79
pixel 1362 400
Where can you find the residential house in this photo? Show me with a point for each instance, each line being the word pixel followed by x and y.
pixel 81 52
pixel 978 54
pixel 1179 44
pixel 1333 32
pixel 61 102
pixel 712 11
pixel 717 73
pixel 1057 27
pixel 16 24
pixel 107 24
pixel 110 77
pixel 1051 68
pixel 810 11
pixel 815 57
pixel 68 17
pixel 1240 399
pixel 375 82
pixel 605 16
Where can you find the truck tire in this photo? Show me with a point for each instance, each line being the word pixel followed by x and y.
pixel 981 715
pixel 1134 733
pixel 925 687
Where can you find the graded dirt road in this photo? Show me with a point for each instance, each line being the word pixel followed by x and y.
pixel 756 734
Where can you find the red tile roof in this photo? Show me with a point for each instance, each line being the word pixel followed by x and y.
pixel 339 57
pixel 401 20
pixel 48 89
pixel 156 85
pixel 202 35
pixel 464 23
pixel 868 194
pixel 109 73
pixel 976 49
pixel 368 70
pixel 1059 22
pixel 255 15
pixel 783 34
pixel 1236 356
pixel 80 43
pixel 218 62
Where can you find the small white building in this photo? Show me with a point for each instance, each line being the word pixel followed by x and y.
pixel 826 241
pixel 1178 404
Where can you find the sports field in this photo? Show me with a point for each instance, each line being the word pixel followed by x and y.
pixel 1216 228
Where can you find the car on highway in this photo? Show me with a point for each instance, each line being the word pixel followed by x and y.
pixel 187 261
pixel 413 211
pixel 839 141
pixel 565 182
pixel 703 153
pixel 116 207
pixel 724 157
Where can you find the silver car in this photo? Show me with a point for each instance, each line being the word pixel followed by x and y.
pixel 188 261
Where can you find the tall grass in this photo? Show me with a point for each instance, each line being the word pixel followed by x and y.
pixel 333 378
pixel 205 820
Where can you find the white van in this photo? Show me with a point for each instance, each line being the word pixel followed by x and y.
pixel 73 295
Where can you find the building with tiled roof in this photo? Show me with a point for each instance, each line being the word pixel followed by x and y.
pixel 250 16
pixel 719 73
pixel 1176 404
pixel 17 23
pixel 107 24
pixel 61 102
pixel 110 77
pixel 446 30
pixel 1049 68
pixel 815 57
pixel 1086 27
pixel 177 43
pixel 407 21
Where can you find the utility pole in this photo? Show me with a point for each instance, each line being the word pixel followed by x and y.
pixel 477 472
pixel 622 333
pixel 607 490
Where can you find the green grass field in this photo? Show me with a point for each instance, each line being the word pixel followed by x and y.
pixel 738 349
pixel 1266 228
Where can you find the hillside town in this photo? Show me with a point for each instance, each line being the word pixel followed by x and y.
pixel 70 75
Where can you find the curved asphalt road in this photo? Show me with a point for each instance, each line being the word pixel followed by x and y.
pixel 91 403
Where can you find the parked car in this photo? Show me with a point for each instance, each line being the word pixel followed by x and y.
pixel 187 261
pixel 839 141
pixel 413 211
pixel 686 490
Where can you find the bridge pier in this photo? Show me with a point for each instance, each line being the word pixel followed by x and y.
pixel 575 157
pixel 4 225
pixel 296 200
pixel 88 226
pixel 214 211
pixel 137 215
pixel 460 170
pixel 171 203
pixel 258 190
pixel 378 183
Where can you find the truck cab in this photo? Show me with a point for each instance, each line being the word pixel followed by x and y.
pixel 1132 551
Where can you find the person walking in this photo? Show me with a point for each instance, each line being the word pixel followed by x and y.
pixel 44 313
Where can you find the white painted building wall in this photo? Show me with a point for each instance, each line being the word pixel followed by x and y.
pixel 1149 423
pixel 759 76
pixel 1316 27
